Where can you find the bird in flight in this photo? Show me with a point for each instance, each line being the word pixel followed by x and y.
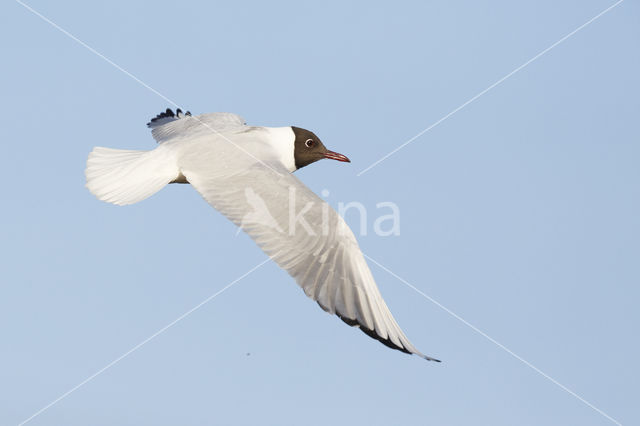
pixel 245 172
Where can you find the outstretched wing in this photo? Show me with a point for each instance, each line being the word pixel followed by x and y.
pixel 311 241
pixel 169 125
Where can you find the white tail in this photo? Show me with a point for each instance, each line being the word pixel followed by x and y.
pixel 122 177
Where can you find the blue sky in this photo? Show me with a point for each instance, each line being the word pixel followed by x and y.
pixel 520 214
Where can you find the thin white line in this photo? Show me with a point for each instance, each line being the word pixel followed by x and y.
pixel 500 345
pixel 92 50
pixel 490 87
pixel 145 341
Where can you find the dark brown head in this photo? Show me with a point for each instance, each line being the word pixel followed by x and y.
pixel 308 149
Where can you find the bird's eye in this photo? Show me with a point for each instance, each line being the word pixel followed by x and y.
pixel 309 143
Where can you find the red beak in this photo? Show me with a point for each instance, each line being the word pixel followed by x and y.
pixel 335 156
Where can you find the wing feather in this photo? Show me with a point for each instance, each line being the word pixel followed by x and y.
pixel 167 125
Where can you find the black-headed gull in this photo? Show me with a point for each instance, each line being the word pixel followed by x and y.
pixel 245 172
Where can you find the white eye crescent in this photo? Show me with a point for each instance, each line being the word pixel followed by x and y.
pixel 309 143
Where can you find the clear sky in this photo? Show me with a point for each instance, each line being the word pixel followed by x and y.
pixel 520 214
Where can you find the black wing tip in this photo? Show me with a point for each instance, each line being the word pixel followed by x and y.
pixel 371 333
pixel 168 113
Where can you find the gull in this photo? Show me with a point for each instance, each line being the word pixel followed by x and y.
pixel 246 173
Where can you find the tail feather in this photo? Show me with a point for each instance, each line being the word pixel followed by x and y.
pixel 122 177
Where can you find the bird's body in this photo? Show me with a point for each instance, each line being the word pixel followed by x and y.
pixel 245 173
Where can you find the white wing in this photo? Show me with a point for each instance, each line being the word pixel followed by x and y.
pixel 167 125
pixel 324 258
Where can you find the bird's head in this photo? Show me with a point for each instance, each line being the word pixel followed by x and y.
pixel 308 148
